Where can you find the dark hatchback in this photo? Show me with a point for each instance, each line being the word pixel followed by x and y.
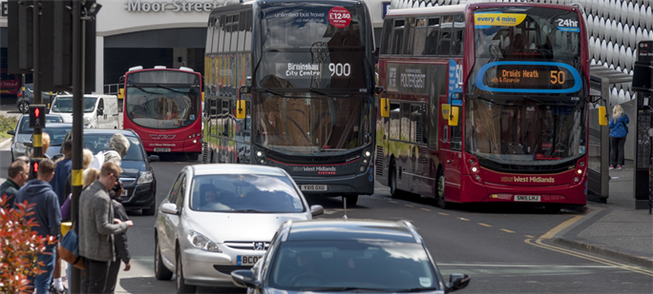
pixel 137 175
pixel 347 256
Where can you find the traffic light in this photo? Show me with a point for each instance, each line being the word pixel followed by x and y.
pixel 34 167
pixel 20 36
pixel 37 116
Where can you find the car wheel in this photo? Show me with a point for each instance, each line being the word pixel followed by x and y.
pixel 351 199
pixel 182 287
pixel 23 107
pixel 440 186
pixel 161 272
pixel 151 210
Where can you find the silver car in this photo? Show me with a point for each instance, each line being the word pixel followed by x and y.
pixel 221 217
pixel 23 133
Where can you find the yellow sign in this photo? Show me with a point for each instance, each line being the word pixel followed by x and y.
pixel 498 19
pixel 445 111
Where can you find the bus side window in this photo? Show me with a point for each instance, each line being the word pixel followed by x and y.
pixel 209 38
pixel 417 113
pixel 458 35
pixel 398 36
pixel 235 32
pixel 222 29
pixel 432 37
pixel 395 120
pixel 248 30
pixel 445 36
pixel 406 135
pixel 420 36
pixel 410 33
pixel 385 39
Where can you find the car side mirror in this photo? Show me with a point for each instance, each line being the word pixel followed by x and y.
pixel 244 278
pixel 13 133
pixel 169 208
pixel 153 158
pixel 317 210
pixel 57 156
pixel 457 281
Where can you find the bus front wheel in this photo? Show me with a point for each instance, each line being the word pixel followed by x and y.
pixel 441 201
pixel 393 182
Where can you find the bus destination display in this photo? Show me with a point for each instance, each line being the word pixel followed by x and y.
pixel 545 77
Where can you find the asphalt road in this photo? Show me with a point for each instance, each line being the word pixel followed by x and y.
pixel 503 249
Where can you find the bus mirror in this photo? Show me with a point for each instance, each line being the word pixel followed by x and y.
pixel 379 90
pixel 121 93
pixel 603 117
pixel 456 96
pixel 245 89
pixel 241 110
pixel 385 107
pixel 202 96
pixel 453 117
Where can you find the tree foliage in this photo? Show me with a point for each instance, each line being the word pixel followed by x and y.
pixel 19 247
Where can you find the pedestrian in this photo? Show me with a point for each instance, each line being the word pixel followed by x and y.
pixel 46 215
pixel 122 250
pixel 618 132
pixel 97 227
pixel 118 147
pixel 62 172
pixel 18 174
pixel 87 158
pixel 45 144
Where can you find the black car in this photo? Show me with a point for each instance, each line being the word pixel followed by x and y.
pixel 137 175
pixel 26 98
pixel 346 256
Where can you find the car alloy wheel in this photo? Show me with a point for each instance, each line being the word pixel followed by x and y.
pixel 23 107
pixel 182 287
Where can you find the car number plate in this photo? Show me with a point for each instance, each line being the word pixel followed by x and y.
pixel 124 192
pixel 314 187
pixel 161 149
pixel 527 198
pixel 247 260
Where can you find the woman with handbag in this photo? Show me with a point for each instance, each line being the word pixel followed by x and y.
pixel 121 249
pixel 618 132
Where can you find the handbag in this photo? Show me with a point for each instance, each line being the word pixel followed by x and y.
pixel 69 249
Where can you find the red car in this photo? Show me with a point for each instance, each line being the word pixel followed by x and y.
pixel 10 83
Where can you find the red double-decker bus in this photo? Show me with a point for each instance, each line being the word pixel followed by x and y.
pixel 163 106
pixel 485 102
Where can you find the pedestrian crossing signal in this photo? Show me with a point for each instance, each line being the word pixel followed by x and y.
pixel 34 167
pixel 37 116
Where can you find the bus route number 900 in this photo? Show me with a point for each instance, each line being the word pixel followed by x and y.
pixel 340 69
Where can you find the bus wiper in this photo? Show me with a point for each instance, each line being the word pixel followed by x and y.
pixel 266 90
pixel 145 91
pixel 328 95
pixel 413 290
pixel 171 89
pixel 492 101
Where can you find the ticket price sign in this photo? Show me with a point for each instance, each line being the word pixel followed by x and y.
pixel 339 17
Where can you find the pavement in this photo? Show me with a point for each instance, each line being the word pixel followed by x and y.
pixel 614 229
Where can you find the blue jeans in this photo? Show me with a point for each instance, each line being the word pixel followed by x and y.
pixel 42 281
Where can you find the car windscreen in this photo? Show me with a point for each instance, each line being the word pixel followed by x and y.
pixel 24 123
pixel 253 193
pixel 100 142
pixel 370 264
pixel 58 134
pixel 65 104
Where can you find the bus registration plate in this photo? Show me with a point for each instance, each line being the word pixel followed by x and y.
pixel 161 149
pixel 527 198
pixel 314 187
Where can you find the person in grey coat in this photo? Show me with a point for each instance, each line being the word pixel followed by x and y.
pixel 97 226
pixel 122 250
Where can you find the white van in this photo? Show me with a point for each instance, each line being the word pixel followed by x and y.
pixel 100 111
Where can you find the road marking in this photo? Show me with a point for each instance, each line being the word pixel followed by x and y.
pixel 561 227
pixel 485 225
pixel 507 231
pixel 408 205
pixel 395 202
pixel 538 243
pixel 425 209
pixel 463 219
pixel 442 213
pixel 529 236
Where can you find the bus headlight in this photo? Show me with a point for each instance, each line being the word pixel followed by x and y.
pixel 145 178
pixel 367 153
pixel 474 169
pixel 259 153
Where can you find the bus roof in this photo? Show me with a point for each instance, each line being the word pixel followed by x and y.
pixel 459 8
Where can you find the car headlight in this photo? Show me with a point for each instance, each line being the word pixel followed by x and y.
pixel 144 178
pixel 200 241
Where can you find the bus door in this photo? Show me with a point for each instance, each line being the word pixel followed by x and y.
pixel 419 151
pixel 451 154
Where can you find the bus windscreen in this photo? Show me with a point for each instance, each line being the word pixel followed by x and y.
pixel 313 46
pixel 526 50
